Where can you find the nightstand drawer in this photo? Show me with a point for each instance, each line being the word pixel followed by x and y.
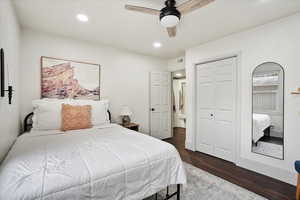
pixel 131 126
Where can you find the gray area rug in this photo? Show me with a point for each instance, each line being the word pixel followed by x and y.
pixel 202 185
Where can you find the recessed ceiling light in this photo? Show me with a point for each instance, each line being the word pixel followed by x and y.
pixel 178 74
pixel 82 18
pixel 157 44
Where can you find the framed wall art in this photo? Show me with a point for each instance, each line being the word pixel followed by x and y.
pixel 62 79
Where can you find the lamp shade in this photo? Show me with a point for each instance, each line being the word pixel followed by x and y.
pixel 169 21
pixel 125 111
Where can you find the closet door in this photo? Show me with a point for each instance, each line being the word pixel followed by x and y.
pixel 216 108
pixel 205 108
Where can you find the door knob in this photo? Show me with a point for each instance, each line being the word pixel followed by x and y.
pixel 152 109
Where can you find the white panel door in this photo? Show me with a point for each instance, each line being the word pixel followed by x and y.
pixel 216 108
pixel 205 108
pixel 160 102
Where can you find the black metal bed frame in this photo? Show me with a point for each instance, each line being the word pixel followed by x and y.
pixel 169 196
pixel 267 133
pixel 28 121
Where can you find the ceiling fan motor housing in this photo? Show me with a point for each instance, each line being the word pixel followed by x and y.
pixel 170 16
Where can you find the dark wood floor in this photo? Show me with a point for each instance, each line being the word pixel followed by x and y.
pixel 265 186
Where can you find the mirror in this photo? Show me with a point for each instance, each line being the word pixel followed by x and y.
pixel 268 110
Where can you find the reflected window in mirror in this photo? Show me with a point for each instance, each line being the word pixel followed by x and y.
pixel 268 110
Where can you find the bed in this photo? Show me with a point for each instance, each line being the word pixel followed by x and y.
pixel 261 126
pixel 105 162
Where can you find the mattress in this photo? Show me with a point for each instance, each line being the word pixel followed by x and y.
pixel 260 123
pixel 107 163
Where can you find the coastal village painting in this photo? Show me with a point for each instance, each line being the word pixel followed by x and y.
pixel 63 79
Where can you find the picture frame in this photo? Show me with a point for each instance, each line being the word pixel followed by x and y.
pixel 63 78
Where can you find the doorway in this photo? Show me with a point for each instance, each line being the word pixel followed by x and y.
pixel 179 102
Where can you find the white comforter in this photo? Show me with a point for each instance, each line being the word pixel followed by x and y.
pixel 107 163
pixel 260 123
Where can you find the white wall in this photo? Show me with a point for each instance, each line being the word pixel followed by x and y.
pixel 124 75
pixel 9 41
pixel 176 64
pixel 278 42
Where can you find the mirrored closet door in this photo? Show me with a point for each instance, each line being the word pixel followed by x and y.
pixel 268 110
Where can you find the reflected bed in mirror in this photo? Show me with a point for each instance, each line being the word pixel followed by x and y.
pixel 268 110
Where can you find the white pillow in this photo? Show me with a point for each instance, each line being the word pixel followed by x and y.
pixel 47 112
pixel 99 110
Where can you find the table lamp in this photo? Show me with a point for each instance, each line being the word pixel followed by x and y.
pixel 125 114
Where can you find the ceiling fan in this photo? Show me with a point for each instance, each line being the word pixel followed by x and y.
pixel 171 14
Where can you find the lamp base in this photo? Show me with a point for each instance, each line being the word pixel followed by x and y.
pixel 126 120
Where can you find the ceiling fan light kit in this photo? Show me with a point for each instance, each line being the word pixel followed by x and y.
pixel 171 14
pixel 169 21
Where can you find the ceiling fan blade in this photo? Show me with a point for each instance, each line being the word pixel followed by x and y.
pixel 143 9
pixel 192 5
pixel 172 31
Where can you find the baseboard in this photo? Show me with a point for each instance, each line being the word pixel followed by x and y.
pixel 273 172
pixel 189 146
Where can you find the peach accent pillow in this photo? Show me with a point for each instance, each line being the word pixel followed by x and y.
pixel 76 117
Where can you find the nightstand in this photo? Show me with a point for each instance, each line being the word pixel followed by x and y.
pixel 131 126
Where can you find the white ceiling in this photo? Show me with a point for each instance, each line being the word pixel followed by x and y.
pixel 112 25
